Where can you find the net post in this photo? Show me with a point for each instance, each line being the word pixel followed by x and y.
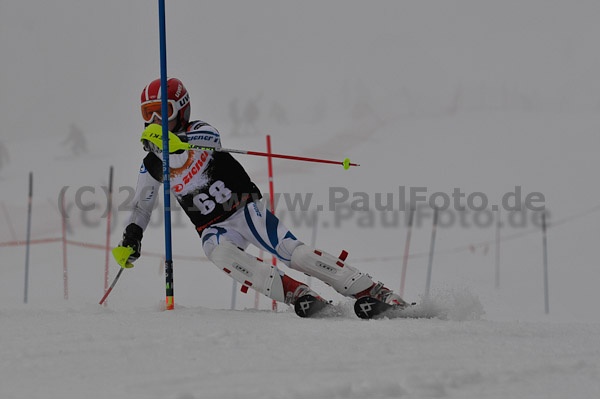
pixel 29 204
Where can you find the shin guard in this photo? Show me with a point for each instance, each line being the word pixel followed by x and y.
pixel 248 270
pixel 344 278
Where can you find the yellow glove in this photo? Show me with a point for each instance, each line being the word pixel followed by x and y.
pixel 121 255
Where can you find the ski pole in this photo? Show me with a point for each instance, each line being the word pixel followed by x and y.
pixel 111 286
pixel 346 162
pixel 153 134
pixel 109 212
pixel 121 255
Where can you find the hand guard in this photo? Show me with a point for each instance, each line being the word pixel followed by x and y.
pixel 121 255
pixel 132 238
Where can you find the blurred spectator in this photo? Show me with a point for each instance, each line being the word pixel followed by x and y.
pixel 278 114
pixel 234 115
pixel 251 116
pixel 76 140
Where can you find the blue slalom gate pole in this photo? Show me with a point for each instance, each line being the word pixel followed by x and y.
pixel 165 137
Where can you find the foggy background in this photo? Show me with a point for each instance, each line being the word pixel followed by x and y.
pixel 483 96
pixel 82 62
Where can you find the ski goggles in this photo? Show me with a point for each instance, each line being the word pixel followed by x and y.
pixel 151 108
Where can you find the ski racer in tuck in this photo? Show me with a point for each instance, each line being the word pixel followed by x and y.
pixel 223 204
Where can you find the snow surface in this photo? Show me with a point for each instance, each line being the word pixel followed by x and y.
pixel 195 352
pixel 476 95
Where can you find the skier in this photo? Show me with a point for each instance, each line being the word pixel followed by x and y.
pixel 223 204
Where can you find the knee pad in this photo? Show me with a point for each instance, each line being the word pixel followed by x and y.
pixel 248 270
pixel 344 278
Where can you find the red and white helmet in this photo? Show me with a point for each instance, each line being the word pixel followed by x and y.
pixel 178 102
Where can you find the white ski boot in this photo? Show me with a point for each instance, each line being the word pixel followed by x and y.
pixel 294 289
pixel 378 291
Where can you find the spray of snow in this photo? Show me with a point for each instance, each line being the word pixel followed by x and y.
pixel 452 304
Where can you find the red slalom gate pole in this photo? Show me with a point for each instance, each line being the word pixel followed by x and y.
pixel 271 195
pixel 313 240
pixel 64 248
pixel 108 217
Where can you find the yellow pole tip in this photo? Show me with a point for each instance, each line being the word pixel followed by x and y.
pixel 346 163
